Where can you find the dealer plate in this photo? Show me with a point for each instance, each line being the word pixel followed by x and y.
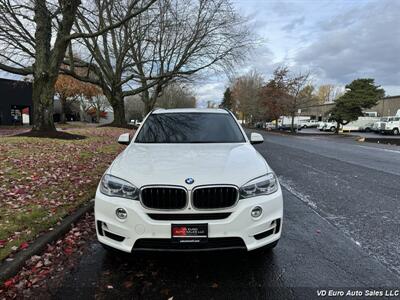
pixel 189 233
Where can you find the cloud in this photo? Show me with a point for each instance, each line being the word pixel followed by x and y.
pixel 209 91
pixel 293 24
pixel 338 41
pixel 360 43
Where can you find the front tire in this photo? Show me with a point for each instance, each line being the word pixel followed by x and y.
pixel 395 131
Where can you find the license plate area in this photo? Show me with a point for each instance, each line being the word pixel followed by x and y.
pixel 189 233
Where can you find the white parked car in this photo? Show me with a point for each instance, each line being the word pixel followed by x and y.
pixel 137 123
pixel 309 124
pixel 189 179
pixel 327 126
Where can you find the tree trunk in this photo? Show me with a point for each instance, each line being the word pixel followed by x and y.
pixel 337 127
pixel 292 124
pixel 98 114
pixel 147 107
pixel 63 104
pixel 48 59
pixel 117 103
pixel 43 106
pixel 149 102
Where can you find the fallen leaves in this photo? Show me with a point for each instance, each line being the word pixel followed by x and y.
pixel 42 180
pixel 24 245
pixel 52 263
pixel 68 251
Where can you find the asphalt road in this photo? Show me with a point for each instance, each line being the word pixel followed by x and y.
pixel 355 186
pixel 341 229
pixel 355 133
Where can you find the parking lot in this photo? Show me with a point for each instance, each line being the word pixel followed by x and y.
pixel 354 133
pixel 341 229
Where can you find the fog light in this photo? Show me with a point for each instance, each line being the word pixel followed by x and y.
pixel 121 213
pixel 256 212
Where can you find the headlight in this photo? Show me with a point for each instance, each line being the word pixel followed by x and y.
pixel 263 185
pixel 116 187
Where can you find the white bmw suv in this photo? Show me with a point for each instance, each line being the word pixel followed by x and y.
pixel 189 180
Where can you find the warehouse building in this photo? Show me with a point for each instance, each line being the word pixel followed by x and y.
pixel 387 106
pixel 16 105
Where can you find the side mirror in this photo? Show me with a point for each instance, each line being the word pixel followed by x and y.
pixel 256 138
pixel 124 139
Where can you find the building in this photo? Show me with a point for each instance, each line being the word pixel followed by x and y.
pixel 387 106
pixel 16 105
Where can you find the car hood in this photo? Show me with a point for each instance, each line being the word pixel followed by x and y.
pixel 171 164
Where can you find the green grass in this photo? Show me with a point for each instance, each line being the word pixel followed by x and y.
pixel 43 180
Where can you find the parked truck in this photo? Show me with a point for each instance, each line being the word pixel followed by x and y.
pixel 360 124
pixel 285 122
pixel 391 126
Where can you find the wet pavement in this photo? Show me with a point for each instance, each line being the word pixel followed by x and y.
pixel 340 230
pixel 355 186
pixel 312 253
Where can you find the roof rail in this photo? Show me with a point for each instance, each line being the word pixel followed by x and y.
pixel 224 108
pixel 154 109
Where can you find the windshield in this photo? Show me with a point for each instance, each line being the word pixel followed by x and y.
pixel 190 128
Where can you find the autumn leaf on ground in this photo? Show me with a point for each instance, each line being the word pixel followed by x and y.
pixel 24 245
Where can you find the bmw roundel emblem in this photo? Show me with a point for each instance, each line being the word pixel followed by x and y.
pixel 189 180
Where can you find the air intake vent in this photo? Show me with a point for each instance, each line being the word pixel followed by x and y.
pixel 215 197
pixel 212 244
pixel 189 217
pixel 163 197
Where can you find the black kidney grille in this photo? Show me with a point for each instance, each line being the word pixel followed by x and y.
pixel 163 198
pixel 214 197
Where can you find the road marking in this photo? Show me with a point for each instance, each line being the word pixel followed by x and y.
pixel 376 148
pixel 329 218
pixel 288 184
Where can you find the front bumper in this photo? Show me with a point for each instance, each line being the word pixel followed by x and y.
pixel 139 228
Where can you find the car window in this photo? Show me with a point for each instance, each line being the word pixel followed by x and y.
pixel 190 128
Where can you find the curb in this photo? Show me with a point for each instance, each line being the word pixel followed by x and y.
pixel 389 141
pixel 9 269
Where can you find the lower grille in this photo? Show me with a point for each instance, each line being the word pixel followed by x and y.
pixel 189 217
pixel 163 197
pixel 215 197
pixel 211 244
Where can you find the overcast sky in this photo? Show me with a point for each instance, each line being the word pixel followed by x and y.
pixel 338 40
